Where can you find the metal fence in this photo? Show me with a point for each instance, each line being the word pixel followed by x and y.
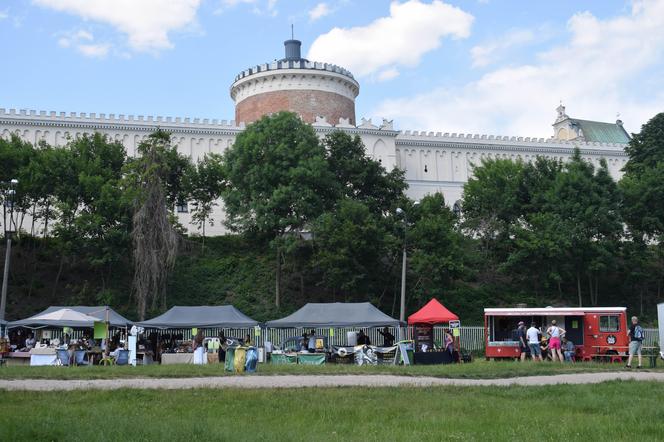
pixel 472 338
pixel 651 337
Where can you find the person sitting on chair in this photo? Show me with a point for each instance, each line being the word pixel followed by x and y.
pixel 568 350
pixel 30 342
pixel 115 354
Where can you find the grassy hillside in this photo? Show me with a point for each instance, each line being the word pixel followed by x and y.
pixel 232 270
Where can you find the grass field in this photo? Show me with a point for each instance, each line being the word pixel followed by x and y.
pixel 479 369
pixel 608 411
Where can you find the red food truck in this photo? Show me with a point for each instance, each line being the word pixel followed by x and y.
pixel 597 332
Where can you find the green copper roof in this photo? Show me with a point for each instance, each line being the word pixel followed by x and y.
pixel 602 132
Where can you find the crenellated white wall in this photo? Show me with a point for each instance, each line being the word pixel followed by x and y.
pixel 433 162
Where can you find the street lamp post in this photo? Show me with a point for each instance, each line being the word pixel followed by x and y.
pixel 404 263
pixel 402 305
pixel 10 192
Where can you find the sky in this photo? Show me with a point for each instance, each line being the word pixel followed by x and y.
pixel 467 66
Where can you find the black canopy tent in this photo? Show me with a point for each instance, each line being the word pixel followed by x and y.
pixel 204 316
pixel 102 313
pixel 335 314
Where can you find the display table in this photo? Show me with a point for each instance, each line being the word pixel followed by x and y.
pixel 42 356
pixel 177 358
pixel 433 357
pixel 283 358
pixel 311 358
pixel 18 358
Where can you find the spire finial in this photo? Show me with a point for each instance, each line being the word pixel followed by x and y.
pixel 292 31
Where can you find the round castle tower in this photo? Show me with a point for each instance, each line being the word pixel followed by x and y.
pixel 310 89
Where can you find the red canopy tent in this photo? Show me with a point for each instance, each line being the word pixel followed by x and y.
pixel 432 313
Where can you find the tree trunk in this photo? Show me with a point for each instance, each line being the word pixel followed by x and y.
pixel 277 288
pixel 590 290
pixel 48 210
pixel 578 288
pixel 57 277
pixel 203 241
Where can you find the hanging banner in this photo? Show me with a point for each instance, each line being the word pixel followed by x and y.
pixel 456 332
pixel 257 331
pixel 101 330
pixel 331 333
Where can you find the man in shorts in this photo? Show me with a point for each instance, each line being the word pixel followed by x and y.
pixel 635 334
pixel 534 342
pixel 523 340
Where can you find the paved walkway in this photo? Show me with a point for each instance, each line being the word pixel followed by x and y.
pixel 306 381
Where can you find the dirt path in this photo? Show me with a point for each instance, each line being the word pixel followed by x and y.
pixel 305 381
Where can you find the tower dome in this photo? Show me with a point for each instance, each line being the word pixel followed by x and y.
pixel 310 89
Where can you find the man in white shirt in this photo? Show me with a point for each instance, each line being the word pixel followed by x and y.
pixel 534 342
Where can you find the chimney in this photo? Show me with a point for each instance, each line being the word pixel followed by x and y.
pixel 293 49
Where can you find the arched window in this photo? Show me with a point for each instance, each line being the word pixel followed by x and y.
pixel 456 208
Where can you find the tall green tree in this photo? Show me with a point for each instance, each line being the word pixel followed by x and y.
pixel 438 250
pixel 150 183
pixel 361 178
pixel 350 249
pixel 643 182
pixel 204 185
pixel 277 181
pixel 492 205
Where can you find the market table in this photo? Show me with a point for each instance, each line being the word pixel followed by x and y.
pixel 283 358
pixel 177 358
pixel 18 358
pixel 42 356
pixel 311 358
pixel 433 357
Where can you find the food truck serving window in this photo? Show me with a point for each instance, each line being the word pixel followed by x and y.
pixel 609 323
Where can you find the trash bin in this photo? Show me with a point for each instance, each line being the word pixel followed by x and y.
pixel 230 359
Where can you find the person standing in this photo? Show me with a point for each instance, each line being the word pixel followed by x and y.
pixel 556 334
pixel 449 342
pixel 200 357
pixel 523 340
pixel 222 347
pixel 635 334
pixel 534 343
pixel 388 338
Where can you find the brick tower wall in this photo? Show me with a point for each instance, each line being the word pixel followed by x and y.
pixel 306 103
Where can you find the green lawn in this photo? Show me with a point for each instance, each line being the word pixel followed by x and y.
pixel 609 411
pixel 479 369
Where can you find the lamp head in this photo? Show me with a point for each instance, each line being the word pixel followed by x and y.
pixel 399 210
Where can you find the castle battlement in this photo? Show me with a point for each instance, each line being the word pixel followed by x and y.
pixel 93 117
pixel 502 140
pixel 294 64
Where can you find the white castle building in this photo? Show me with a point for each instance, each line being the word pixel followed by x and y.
pixel 324 95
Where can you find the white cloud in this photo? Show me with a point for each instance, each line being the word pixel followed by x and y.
pixel 483 55
pixel 83 42
pixel 388 74
pixel 94 50
pixel 258 7
pixel 4 14
pixel 319 11
pixel 607 66
pixel 147 23
pixel 412 29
